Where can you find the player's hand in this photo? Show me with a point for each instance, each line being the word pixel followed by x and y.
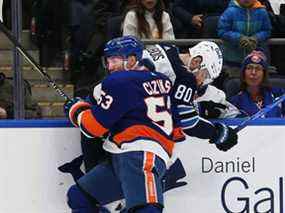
pixel 210 109
pixel 69 103
pixel 73 107
pixel 225 137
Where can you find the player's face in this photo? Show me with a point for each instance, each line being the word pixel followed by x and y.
pixel 149 4
pixel 200 76
pixel 195 63
pixel 254 75
pixel 114 63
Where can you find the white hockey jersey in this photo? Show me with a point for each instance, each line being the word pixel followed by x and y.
pixel 218 96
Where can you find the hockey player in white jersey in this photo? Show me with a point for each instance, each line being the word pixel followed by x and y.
pixel 191 73
pixel 205 61
pixel 211 101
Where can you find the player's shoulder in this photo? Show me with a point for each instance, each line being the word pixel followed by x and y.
pixel 216 93
pixel 170 49
pixel 116 78
pixel 125 79
pixel 185 75
pixel 119 84
pixel 215 90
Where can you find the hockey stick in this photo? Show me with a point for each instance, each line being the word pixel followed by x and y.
pixel 32 61
pixel 260 113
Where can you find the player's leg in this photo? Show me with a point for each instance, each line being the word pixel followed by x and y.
pixel 173 175
pixel 78 202
pixel 140 174
pixel 93 152
pixel 95 189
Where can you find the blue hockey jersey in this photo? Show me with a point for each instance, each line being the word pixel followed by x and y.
pixel 134 106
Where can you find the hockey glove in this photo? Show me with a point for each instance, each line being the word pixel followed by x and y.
pixel 210 109
pixel 72 108
pixel 224 138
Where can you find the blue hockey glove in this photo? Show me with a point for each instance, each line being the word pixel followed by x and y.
pixel 224 138
pixel 72 108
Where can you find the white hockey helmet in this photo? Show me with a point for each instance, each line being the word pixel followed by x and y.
pixel 212 59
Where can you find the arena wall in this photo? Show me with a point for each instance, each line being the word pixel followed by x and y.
pixel 248 178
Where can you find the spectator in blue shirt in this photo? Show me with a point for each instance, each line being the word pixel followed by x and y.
pixel 243 26
pixel 255 91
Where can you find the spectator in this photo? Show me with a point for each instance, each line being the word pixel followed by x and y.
pixel 277 19
pixel 89 32
pixel 148 19
pixel 87 19
pixel 3 113
pixel 243 26
pixel 26 13
pixel 32 110
pixel 189 16
pixel 255 91
pixel 47 30
pixel 276 6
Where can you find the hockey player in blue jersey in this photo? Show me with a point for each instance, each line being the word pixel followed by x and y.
pixel 133 106
pixel 185 85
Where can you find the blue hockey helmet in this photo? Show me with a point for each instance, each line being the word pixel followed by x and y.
pixel 124 46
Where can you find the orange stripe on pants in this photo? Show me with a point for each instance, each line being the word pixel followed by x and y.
pixel 151 194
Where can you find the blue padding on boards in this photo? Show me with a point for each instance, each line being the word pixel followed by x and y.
pixel 34 123
pixel 66 123
pixel 257 122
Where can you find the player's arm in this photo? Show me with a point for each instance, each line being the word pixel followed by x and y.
pixel 94 120
pixel 213 104
pixel 192 124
